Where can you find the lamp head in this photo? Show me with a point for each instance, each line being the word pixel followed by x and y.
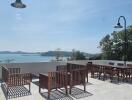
pixel 118 25
pixel 18 4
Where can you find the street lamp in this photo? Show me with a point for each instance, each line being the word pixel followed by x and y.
pixel 18 4
pixel 125 36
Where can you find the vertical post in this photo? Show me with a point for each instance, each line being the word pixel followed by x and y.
pixel 125 44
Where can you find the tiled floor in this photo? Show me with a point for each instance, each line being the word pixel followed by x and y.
pixel 96 90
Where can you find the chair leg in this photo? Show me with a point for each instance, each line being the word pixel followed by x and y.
pixel 48 93
pixel 87 77
pixel 70 89
pixel 7 92
pixel 84 87
pixel 66 90
pixel 39 89
pixel 118 77
pixel 111 78
pixel 29 87
pixel 104 77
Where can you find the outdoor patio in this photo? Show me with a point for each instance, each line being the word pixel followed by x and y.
pixel 96 90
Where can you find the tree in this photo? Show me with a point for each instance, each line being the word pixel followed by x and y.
pixel 73 56
pixel 79 56
pixel 112 46
pixel 106 45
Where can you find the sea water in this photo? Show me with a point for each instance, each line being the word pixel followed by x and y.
pixel 20 58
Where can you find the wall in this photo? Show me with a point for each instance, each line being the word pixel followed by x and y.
pixel 35 67
pixel 43 67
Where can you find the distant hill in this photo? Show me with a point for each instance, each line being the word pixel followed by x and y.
pixel 15 52
pixel 50 53
pixel 63 53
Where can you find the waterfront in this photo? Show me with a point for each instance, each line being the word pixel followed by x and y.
pixel 21 58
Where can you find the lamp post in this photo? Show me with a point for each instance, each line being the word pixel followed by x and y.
pixel 125 37
pixel 18 4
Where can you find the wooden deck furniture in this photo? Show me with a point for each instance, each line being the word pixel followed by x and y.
pixel 95 70
pixel 61 68
pixel 111 63
pixel 77 77
pixel 111 72
pixel 120 71
pixel 72 66
pixel 53 80
pixel 120 64
pixel 12 77
pixel 128 72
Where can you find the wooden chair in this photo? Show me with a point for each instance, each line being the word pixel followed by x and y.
pixel 77 77
pixel 12 78
pixel 71 67
pixel 128 72
pixel 89 69
pixel 61 68
pixel 111 72
pixel 53 80
pixel 95 70
pixel 120 64
pixel 111 63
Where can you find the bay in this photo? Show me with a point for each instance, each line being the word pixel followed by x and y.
pixel 21 58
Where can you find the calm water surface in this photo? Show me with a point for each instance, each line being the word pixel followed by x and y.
pixel 4 58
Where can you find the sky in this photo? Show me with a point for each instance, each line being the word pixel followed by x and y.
pixel 66 24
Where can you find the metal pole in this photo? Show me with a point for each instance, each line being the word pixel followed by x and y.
pixel 125 39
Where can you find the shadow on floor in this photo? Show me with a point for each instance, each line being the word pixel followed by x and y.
pixel 78 93
pixel 89 83
pixel 115 80
pixel 56 95
pixel 16 91
pixel 36 83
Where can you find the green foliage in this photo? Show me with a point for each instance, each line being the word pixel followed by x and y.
pixel 112 46
pixel 79 56
pixel 96 57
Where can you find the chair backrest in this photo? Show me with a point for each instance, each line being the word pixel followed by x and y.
pixel 19 79
pixel 5 74
pixel 77 77
pixel 89 66
pixel 71 67
pixel 89 63
pixel 111 63
pixel 61 68
pixel 13 77
pixel 14 70
pixel 129 65
pixel 53 80
pixel 120 64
